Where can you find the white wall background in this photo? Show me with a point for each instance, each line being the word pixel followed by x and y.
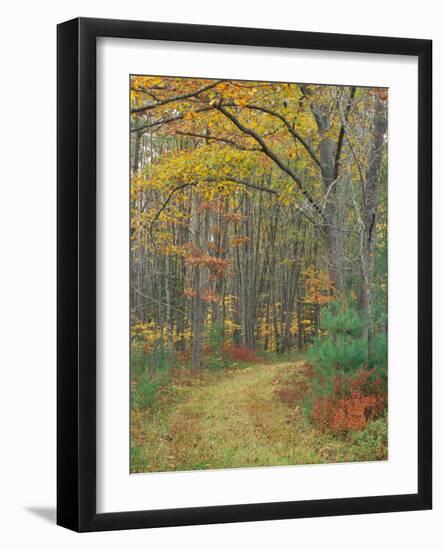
pixel 27 273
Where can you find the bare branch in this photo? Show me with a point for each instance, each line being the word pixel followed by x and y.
pixel 330 187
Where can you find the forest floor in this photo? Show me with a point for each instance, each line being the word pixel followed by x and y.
pixel 231 419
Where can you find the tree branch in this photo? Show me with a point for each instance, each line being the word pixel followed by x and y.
pixel 270 153
pixel 159 302
pixel 342 133
pixel 175 98
pixel 170 119
pixel 215 138
pixel 292 130
pixel 246 184
pixel 164 205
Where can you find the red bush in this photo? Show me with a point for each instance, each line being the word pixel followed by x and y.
pixel 354 412
pixel 353 402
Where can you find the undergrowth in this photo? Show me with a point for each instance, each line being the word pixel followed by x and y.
pixel 344 388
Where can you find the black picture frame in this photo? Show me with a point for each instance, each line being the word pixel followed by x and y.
pixel 76 265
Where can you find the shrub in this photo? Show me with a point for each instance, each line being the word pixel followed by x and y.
pixel 353 413
pixel 214 358
pixel 342 352
pixel 338 320
pixel 372 442
pixel 215 362
pixel 216 337
pixel 341 349
pixel 150 372
pixel 145 390
pixel 354 401
pixel 381 355
pixel 340 358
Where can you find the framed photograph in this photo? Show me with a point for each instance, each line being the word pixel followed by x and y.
pixel 244 274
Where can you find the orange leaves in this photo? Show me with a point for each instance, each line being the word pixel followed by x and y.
pixel 382 93
pixel 241 102
pixel 206 295
pixel 319 287
pixel 354 412
pixel 215 248
pixel 189 292
pixel 346 414
pixel 348 407
pixel 239 241
pixel 353 402
pixel 216 266
pixel 190 115
pixel 209 296
pixel 233 217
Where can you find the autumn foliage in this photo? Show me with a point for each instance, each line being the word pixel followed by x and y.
pixel 354 401
pixel 258 233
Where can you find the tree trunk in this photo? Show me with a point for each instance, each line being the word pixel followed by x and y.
pixel 168 304
pixel 369 234
pixel 136 152
pixel 197 314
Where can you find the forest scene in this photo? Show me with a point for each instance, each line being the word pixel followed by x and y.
pixel 258 273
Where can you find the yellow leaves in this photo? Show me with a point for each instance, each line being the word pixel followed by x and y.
pixel 319 288
pixel 174 250
pixel 208 165
pixel 230 326
pixel 190 115
pixel 143 183
pixel 146 82
pixel 183 336
pixel 148 333
pixel 287 195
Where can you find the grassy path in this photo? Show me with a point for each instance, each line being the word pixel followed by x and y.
pixel 234 421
